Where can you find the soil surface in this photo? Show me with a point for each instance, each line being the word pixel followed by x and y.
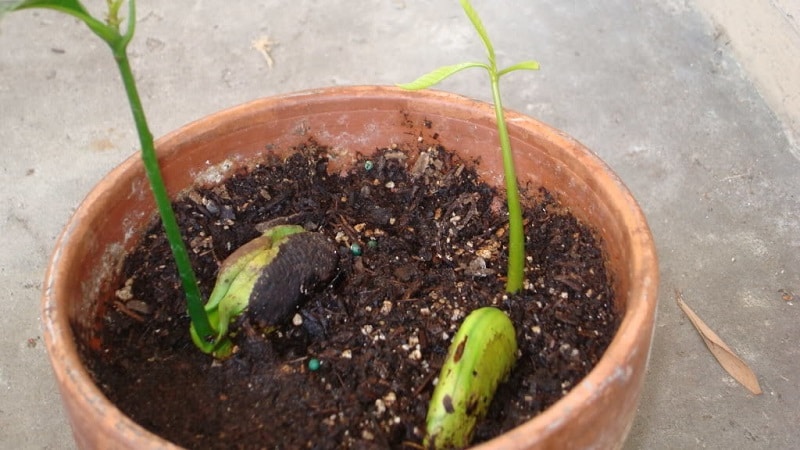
pixel 432 242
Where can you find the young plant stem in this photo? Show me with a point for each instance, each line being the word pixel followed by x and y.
pixel 516 239
pixel 194 301
pixel 109 32
pixel 516 232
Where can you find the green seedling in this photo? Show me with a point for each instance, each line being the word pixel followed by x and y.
pixel 241 284
pixel 266 277
pixel 109 32
pixel 480 357
pixel 484 350
pixel 516 238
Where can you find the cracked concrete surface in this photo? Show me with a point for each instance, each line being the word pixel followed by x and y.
pixel 647 85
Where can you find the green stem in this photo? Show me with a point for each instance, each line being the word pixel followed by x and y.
pixel 516 237
pixel 194 302
pixel 109 32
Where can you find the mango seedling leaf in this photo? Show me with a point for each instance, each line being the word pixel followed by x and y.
pixel 478 24
pixel 525 65
pixel 73 7
pixel 737 368
pixel 437 75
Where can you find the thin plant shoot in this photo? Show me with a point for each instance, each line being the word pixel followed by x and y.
pixel 109 32
pixel 247 280
pixel 516 238
pixel 484 350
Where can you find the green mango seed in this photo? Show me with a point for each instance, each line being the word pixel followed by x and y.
pixel 266 279
pixel 303 263
pixel 480 357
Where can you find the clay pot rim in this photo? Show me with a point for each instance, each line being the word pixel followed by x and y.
pixel 638 318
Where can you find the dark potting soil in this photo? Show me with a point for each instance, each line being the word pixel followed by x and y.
pixel 433 247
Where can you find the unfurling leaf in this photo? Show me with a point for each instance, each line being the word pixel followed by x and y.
pixel 109 32
pixel 737 368
pixel 266 279
pixel 480 357
pixel 477 23
pixel 437 75
pixel 525 65
pixel 73 7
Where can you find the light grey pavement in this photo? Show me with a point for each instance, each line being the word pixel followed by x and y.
pixel 649 85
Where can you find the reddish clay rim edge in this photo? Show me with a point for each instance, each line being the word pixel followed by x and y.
pixel 58 330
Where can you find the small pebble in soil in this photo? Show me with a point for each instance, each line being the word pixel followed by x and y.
pixel 368 165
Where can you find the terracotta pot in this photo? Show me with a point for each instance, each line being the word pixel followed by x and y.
pixel 596 413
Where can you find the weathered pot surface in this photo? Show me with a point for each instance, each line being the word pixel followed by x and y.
pixel 597 413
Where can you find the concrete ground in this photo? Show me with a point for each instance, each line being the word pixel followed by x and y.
pixel 651 86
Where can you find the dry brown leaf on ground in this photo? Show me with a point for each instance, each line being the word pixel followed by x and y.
pixel 737 368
